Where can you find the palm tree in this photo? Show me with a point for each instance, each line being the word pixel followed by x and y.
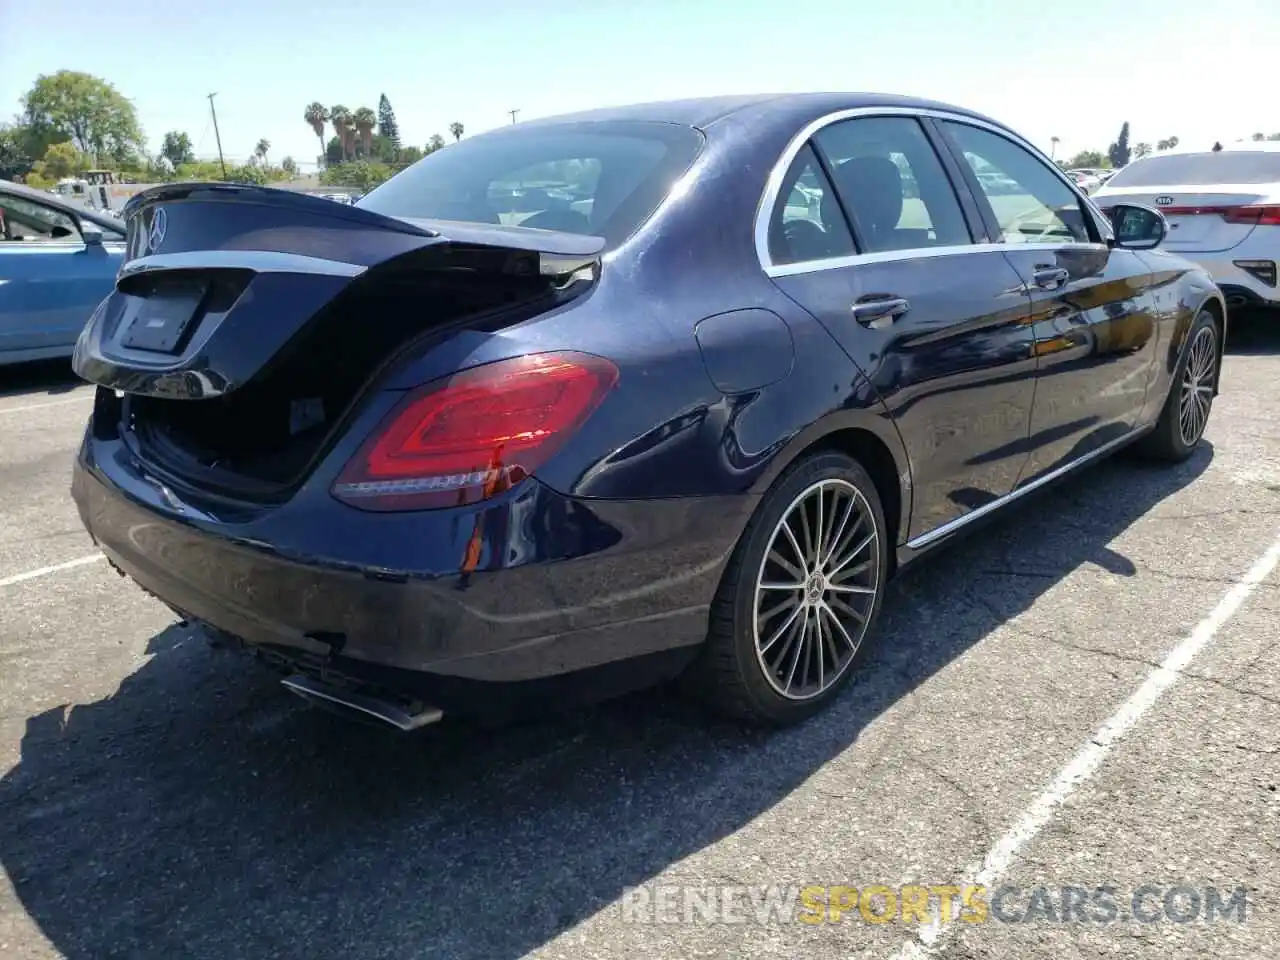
pixel 456 129
pixel 340 117
pixel 1140 150
pixel 317 116
pixel 260 151
pixel 1053 146
pixel 1173 142
pixel 365 120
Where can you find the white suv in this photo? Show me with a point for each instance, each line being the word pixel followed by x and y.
pixel 1223 210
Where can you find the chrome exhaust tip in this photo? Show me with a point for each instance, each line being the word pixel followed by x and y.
pixel 404 717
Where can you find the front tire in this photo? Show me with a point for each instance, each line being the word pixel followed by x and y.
pixel 798 602
pixel 1186 410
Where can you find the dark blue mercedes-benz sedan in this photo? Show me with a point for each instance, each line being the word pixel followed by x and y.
pixel 590 402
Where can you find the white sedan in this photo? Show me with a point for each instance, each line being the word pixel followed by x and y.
pixel 1223 210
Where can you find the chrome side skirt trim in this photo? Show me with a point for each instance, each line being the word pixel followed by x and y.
pixel 951 526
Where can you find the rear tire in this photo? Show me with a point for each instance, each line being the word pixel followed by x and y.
pixel 798 603
pixel 1190 401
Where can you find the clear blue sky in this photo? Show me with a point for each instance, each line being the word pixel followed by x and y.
pixel 1072 70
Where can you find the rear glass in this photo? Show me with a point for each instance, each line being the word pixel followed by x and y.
pixel 600 178
pixel 1201 169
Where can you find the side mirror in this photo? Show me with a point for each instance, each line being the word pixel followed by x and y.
pixel 91 235
pixel 1137 227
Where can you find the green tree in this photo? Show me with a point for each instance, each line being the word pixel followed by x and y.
pixel 317 116
pixel 410 155
pixel 387 126
pixel 177 148
pixel 333 153
pixel 456 129
pixel 1087 158
pixel 14 160
pixel 289 166
pixel 62 160
pixel 1119 151
pixel 88 111
pixel 435 143
pixel 1274 136
pixel 364 120
pixel 1259 136
pixel 340 117
pixel 260 151
pixel 1141 150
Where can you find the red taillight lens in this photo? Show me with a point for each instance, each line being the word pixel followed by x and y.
pixel 476 433
pixel 1265 216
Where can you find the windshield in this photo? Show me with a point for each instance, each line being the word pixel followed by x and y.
pixel 601 178
pixel 1201 169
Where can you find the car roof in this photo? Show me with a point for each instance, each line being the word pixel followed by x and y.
pixel 53 200
pixel 704 112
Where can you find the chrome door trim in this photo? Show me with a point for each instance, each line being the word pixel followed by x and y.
pixel 773 187
pixel 951 526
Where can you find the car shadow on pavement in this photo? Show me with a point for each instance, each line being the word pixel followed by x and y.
pixel 51 377
pixel 1253 333
pixel 200 812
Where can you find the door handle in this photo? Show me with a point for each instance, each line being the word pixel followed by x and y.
pixel 879 312
pixel 1050 278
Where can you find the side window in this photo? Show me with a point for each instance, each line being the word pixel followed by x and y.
pixel 807 222
pixel 24 221
pixel 893 184
pixel 1030 202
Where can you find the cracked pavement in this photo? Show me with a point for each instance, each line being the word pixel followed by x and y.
pixel 160 799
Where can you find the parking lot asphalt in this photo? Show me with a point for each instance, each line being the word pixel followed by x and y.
pixel 1084 695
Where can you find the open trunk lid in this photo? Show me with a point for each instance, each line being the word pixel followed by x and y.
pixel 218 278
pixel 246 321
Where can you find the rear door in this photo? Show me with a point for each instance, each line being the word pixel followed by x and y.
pixel 886 259
pixel 1093 310
pixel 50 279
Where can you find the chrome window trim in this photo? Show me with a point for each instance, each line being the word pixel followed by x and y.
pixel 918 253
pixel 773 187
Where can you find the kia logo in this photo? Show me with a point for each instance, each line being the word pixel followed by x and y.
pixel 1163 201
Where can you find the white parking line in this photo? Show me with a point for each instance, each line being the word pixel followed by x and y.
pixel 1087 761
pixel 56 568
pixel 79 398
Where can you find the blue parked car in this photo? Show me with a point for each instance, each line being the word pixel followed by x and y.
pixel 57 262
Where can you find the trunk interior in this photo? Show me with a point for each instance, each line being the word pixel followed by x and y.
pixel 261 440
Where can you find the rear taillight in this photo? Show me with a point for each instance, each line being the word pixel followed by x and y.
pixel 476 433
pixel 1261 215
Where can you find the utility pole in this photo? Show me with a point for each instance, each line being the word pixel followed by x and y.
pixel 217 136
pixel 513 114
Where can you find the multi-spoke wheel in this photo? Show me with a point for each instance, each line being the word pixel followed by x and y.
pixel 1186 411
pixel 816 588
pixel 1197 385
pixel 801 594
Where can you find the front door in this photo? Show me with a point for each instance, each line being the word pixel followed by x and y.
pixel 887 262
pixel 1095 330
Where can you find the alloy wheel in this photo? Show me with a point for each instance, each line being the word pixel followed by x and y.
pixel 816 589
pixel 1197 386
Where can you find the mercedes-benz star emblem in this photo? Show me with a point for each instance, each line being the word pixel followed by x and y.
pixel 155 233
pixel 1163 201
